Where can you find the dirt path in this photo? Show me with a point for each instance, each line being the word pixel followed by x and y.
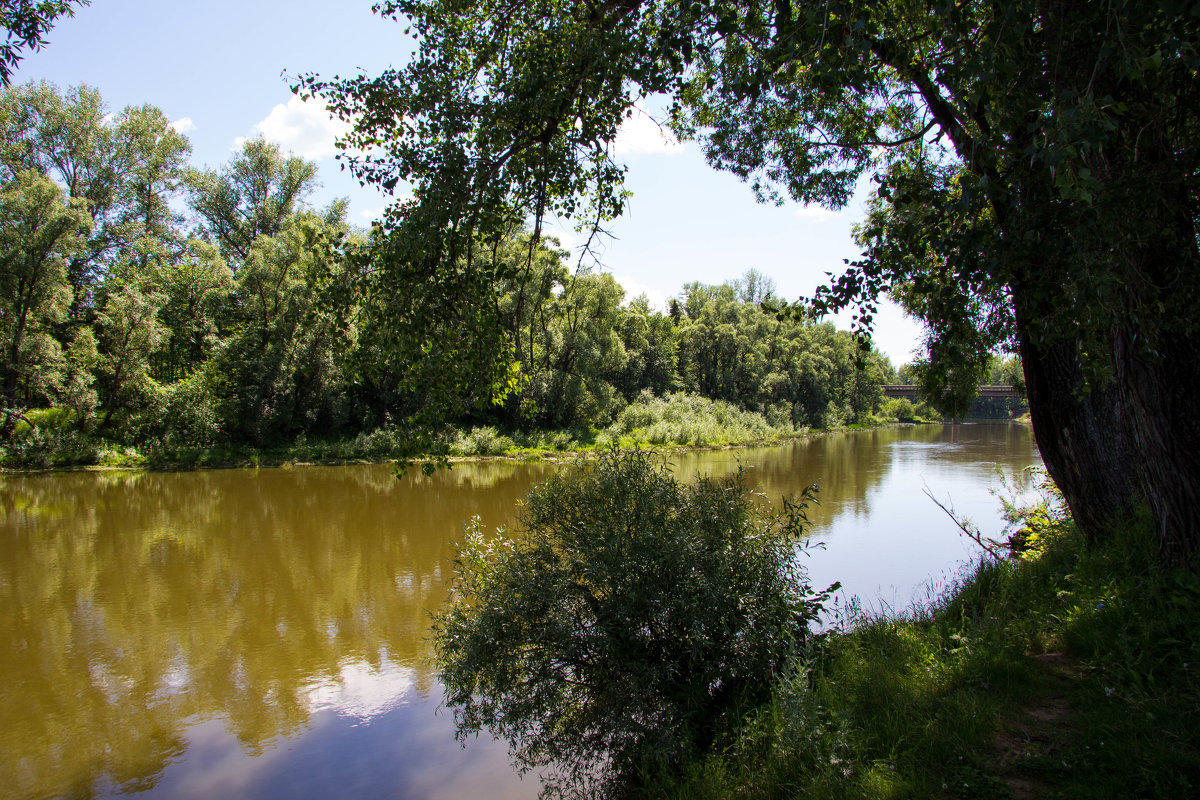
pixel 1042 728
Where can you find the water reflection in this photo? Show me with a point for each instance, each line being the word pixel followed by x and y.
pixel 136 604
pixel 361 691
pixel 891 546
pixel 245 633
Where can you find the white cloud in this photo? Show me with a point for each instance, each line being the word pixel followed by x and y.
pixel 816 213
pixel 361 691
pixel 634 287
pixel 304 128
pixel 183 125
pixel 640 134
pixel 567 239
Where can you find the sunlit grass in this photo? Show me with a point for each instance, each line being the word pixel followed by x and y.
pixel 684 419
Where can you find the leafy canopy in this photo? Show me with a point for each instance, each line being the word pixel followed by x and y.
pixel 980 115
pixel 1036 163
pixel 509 112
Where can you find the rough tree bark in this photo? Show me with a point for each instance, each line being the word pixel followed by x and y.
pixel 1080 434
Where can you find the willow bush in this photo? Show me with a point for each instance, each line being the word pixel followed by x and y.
pixel 630 614
pixel 689 419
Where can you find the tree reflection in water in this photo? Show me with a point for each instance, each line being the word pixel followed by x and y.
pixel 136 603
pixel 138 610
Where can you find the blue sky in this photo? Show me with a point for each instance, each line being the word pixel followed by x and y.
pixel 217 69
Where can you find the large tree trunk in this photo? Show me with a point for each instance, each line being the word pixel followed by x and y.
pixel 1125 430
pixel 1164 423
pixel 1157 352
pixel 1158 355
pixel 1135 438
pixel 1080 433
pixel 1116 275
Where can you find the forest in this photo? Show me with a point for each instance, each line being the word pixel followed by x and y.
pixel 153 305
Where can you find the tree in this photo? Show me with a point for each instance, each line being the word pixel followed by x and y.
pixel 154 158
pixel 584 353
pixel 427 341
pixel 128 332
pixel 652 346
pixel 734 349
pixel 253 195
pixel 632 613
pixel 39 230
pixel 1012 138
pixel 196 285
pixel 755 287
pixel 283 350
pixel 124 167
pixel 26 23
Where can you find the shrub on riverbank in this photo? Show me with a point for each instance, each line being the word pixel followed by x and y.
pixel 49 446
pixel 629 617
pixel 1071 672
pixel 687 419
pixel 901 409
pixel 675 419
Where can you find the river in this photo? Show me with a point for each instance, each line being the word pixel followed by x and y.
pixel 263 633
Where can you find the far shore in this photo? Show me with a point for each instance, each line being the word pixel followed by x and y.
pixel 288 458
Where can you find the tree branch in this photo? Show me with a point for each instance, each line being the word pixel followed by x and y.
pixel 15 415
pixel 990 545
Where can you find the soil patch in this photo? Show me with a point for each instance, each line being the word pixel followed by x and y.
pixel 1039 728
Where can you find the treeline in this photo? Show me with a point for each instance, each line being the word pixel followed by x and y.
pixel 151 304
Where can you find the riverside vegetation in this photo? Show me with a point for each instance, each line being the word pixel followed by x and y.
pixel 256 327
pixel 1065 670
pixel 255 324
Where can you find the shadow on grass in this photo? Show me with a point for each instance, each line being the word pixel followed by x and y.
pixel 1069 673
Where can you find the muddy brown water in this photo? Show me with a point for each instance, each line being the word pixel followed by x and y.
pixel 264 633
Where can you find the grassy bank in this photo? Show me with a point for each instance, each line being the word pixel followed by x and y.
pixel 1071 672
pixel 676 420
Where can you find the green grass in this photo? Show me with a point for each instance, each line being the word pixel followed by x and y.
pixel 1070 673
pixel 688 420
pixel 677 420
pixel 674 420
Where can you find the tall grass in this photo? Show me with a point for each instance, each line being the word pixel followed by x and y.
pixel 676 419
pixel 1072 672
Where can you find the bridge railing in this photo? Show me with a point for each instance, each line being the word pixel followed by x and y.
pixel 908 390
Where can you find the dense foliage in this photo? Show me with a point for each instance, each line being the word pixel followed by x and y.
pixel 629 614
pixel 254 319
pixel 1036 164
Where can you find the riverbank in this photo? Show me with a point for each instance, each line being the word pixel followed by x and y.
pixel 668 423
pixel 349 451
pixel 672 422
pixel 343 453
pixel 1071 671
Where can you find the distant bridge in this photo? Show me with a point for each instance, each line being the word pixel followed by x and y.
pixel 905 390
